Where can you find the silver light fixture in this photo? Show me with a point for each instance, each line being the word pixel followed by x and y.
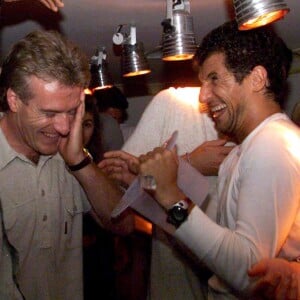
pixel 178 40
pixel 100 77
pixel 133 59
pixel 255 13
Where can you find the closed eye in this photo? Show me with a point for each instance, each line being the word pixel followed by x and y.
pixel 72 112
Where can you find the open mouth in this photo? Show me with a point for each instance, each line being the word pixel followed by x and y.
pixel 51 136
pixel 216 111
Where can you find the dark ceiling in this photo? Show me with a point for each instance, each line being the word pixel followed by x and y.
pixel 92 23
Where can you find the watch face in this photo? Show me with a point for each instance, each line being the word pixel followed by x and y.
pixel 177 215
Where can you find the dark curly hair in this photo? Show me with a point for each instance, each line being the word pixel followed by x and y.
pixel 244 50
pixel 112 97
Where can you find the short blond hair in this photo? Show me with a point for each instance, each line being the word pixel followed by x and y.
pixel 47 55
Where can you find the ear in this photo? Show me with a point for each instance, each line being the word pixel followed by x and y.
pixel 259 78
pixel 12 100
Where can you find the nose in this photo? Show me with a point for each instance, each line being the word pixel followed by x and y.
pixel 62 124
pixel 205 93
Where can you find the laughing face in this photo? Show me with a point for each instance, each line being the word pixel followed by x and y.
pixel 46 117
pixel 223 95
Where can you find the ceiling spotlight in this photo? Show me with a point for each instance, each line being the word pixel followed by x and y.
pixel 255 13
pixel 133 59
pixel 100 77
pixel 178 40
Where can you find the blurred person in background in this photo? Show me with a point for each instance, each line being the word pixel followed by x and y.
pixel 114 103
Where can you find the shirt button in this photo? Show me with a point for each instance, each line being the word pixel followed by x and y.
pixel 45 218
pixel 43 193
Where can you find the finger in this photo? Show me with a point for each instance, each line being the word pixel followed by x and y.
pixel 114 169
pixel 227 149
pixel 113 154
pixel 49 4
pixel 281 289
pixel 103 164
pixel 142 158
pixel 293 291
pixel 112 162
pixel 174 152
pixel 59 3
pixel 271 285
pixel 267 284
pixel 53 4
pixel 45 3
pixel 218 142
pixel 134 167
pixel 77 124
pixel 158 150
pixel 258 269
pixel 128 158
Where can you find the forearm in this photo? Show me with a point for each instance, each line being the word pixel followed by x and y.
pixel 223 251
pixel 102 193
pixel 123 225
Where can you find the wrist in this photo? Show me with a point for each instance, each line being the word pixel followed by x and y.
pixel 167 198
pixel 179 212
pixel 83 160
pixel 187 157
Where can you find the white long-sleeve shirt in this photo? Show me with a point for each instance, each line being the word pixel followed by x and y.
pixel 258 207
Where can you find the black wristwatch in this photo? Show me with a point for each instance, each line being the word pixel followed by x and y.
pixel 178 213
pixel 86 161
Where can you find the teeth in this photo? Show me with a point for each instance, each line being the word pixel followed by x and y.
pixel 50 135
pixel 218 107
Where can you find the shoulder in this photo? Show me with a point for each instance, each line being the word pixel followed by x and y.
pixel 277 143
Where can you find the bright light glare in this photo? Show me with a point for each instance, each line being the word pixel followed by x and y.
pixel 264 19
pixel 187 95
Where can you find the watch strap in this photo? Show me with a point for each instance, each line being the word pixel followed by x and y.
pixel 86 161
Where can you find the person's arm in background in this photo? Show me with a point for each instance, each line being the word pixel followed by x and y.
pixel 276 279
pixel 206 158
pixel 53 5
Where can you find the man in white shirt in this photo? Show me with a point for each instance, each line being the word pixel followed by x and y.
pixel 242 76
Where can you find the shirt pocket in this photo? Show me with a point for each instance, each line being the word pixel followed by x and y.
pixel 19 222
pixel 72 227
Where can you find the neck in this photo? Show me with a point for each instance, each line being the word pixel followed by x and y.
pixel 257 114
pixel 14 137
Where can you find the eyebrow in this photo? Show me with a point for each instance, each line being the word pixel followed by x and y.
pixel 88 120
pixel 56 111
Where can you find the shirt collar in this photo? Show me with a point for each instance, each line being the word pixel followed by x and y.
pixel 8 154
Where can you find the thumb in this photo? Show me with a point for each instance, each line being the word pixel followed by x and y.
pixel 219 142
pixel 174 151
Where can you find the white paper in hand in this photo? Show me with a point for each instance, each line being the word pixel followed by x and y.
pixel 134 191
pixel 190 181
